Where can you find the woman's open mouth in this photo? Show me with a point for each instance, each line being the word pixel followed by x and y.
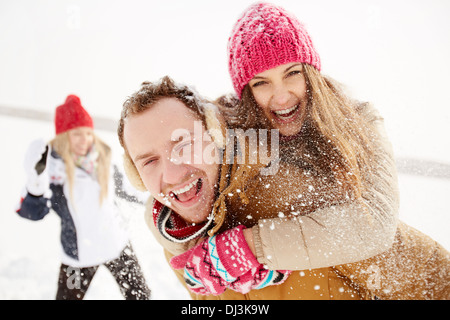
pixel 286 115
pixel 189 194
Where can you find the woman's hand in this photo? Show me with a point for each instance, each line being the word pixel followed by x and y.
pixel 225 261
pixel 35 163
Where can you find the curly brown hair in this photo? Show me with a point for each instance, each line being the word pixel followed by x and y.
pixel 152 92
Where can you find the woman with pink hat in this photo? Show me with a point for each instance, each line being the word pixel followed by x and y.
pixel 73 175
pixel 339 146
pixel 275 71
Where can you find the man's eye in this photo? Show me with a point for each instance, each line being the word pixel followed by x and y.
pixel 148 162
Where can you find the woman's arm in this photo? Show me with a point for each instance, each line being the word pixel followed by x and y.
pixel 35 201
pixel 342 233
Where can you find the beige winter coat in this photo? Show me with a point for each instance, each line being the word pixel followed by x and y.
pixel 327 230
pixel 415 268
pixel 307 228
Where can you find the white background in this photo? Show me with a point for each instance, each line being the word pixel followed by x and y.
pixel 393 53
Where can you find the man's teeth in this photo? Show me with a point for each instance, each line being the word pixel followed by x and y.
pixel 186 188
pixel 286 111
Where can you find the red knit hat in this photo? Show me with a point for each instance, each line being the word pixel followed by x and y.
pixel 71 115
pixel 265 37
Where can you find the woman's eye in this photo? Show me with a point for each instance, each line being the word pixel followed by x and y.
pixel 258 84
pixel 293 73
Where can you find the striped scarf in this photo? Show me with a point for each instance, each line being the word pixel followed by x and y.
pixel 89 162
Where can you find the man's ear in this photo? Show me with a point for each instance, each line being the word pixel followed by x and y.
pixel 132 173
pixel 215 124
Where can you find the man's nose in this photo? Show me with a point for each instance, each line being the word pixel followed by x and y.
pixel 173 173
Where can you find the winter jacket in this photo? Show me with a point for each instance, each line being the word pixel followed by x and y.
pixel 302 224
pixel 321 228
pixel 92 233
pixel 317 232
pixel 415 268
pixel 318 284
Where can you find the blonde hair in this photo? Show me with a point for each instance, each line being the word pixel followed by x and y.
pixel 336 138
pixel 61 144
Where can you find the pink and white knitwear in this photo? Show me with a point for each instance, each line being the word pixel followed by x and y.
pixel 225 261
pixel 265 37
pixel 233 251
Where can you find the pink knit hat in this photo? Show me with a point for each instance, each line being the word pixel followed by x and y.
pixel 265 37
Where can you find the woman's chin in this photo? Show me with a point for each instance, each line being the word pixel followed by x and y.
pixel 289 130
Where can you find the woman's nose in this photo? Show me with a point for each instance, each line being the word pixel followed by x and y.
pixel 280 96
pixel 84 138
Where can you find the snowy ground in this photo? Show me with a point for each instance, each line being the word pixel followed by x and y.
pixel 29 251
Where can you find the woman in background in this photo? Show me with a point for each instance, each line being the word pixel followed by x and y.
pixel 73 176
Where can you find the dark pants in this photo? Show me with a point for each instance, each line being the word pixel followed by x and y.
pixel 74 282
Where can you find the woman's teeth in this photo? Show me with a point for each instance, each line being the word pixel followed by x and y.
pixel 286 112
pixel 186 188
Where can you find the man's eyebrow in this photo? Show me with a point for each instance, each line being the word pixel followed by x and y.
pixel 186 135
pixel 170 143
pixel 143 156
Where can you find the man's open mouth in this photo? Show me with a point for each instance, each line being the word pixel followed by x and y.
pixel 188 192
